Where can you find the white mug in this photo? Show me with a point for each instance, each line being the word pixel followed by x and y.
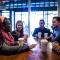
pixel 39 34
pixel 45 35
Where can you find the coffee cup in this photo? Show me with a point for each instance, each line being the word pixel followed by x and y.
pixel 44 43
pixel 21 41
pixel 45 35
pixel 39 34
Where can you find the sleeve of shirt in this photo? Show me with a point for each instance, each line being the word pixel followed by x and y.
pixel 14 35
pixel 35 32
pixel 49 33
pixel 8 39
pixel 57 38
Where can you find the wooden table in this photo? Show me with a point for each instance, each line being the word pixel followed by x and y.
pixel 35 54
pixel 49 55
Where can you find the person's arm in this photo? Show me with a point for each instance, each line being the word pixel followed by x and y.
pixel 49 33
pixel 25 38
pixel 35 33
pixel 14 35
pixel 8 38
pixel 57 38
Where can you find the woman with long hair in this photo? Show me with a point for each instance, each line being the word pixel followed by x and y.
pixel 8 45
pixel 19 33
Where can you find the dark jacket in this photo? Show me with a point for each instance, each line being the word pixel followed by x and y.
pixel 45 30
pixel 16 36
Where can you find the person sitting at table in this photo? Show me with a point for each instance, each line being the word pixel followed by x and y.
pixel 7 42
pixel 18 33
pixel 56 29
pixel 41 30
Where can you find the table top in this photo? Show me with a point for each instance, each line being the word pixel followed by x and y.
pixel 34 54
pixel 37 54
